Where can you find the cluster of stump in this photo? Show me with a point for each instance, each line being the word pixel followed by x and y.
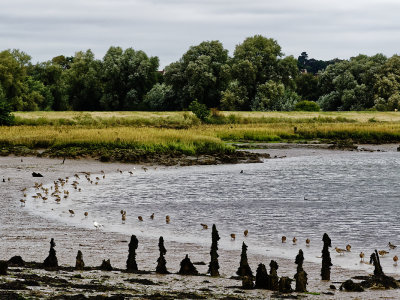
pixel 262 280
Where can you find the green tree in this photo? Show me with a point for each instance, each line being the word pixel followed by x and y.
pixel 128 76
pixel 83 82
pixel 307 86
pixel 234 97
pixel 13 68
pixel 161 97
pixel 201 73
pixel 268 94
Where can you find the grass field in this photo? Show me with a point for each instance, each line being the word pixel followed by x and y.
pixel 183 133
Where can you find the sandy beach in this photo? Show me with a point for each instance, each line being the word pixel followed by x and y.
pixel 28 235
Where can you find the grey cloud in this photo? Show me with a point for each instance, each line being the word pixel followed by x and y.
pixel 167 28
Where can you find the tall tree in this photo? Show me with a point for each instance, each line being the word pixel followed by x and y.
pixel 128 76
pixel 201 74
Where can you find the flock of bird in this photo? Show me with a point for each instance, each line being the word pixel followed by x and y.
pixel 59 191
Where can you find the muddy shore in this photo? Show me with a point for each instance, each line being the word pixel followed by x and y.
pixel 28 235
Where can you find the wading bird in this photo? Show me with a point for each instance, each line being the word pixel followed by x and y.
pixel 152 216
pixel 246 232
pixel 233 236
pixel 362 256
pixel 391 246
pixel 71 212
pixel 86 214
pixel 307 242
pixel 339 250
pixel 167 219
pixel 140 218
pixel 395 259
pixel 22 202
pixel 205 226
pixel 123 217
pixel 348 248
pixel 383 252
pixel 294 241
pixel 97 225
pixel 283 239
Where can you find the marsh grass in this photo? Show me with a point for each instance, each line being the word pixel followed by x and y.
pixel 142 133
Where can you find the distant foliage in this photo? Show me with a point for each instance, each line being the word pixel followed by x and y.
pixel 256 77
pixel 307 106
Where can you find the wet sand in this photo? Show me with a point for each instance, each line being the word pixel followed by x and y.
pixel 28 235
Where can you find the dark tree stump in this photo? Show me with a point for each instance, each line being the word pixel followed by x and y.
pixel 213 267
pixel 16 261
pixel 273 276
pixel 326 258
pixel 262 278
pixel 3 267
pixel 301 275
pixel 247 282
pixel 244 268
pixel 161 262
pixel 51 261
pixel 285 285
pixel 187 267
pixel 131 265
pixel 106 265
pixel 79 265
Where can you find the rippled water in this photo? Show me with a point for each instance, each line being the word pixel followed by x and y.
pixel 354 197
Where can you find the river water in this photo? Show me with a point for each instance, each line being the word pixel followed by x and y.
pixel 352 196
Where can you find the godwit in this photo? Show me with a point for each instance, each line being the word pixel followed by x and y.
pixel 246 232
pixel 339 250
pixel 362 256
pixel 71 212
pixel 233 236
pixel 383 252
pixel 391 246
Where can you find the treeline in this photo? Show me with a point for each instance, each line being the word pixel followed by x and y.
pixel 257 77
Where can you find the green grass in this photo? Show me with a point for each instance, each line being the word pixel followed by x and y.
pixel 98 134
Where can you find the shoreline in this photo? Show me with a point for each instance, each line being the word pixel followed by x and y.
pixel 28 235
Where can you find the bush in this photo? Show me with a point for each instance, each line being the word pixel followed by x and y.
pixel 200 110
pixel 307 106
pixel 6 118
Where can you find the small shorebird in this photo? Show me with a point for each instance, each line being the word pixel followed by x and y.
pixel 246 232
pixel 348 248
pixel 145 169
pixel 395 259
pixel 86 214
pixel 205 226
pixel 97 225
pixel 307 242
pixel 22 202
pixel 140 218
pixel 339 250
pixel 167 219
pixel 130 172
pixel 383 252
pixel 123 212
pixel 294 241
pixel 123 217
pixel 152 216
pixel 71 212
pixel 233 236
pixel 283 239
pixel 391 246
pixel 362 256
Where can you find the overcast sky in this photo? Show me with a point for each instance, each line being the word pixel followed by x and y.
pixel 325 29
